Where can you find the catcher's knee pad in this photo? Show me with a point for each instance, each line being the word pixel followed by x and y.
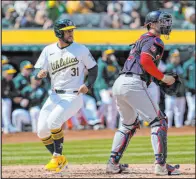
pixel 159 138
pixel 160 120
pixel 121 140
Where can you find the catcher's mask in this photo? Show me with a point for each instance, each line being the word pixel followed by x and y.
pixel 61 25
pixel 163 18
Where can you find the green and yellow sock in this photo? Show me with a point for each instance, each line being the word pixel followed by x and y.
pixel 58 137
pixel 49 143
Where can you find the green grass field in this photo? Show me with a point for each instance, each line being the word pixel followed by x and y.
pixel 181 149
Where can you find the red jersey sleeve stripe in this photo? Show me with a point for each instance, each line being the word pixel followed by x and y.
pixel 149 66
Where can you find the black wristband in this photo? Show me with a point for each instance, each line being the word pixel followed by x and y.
pixel 92 75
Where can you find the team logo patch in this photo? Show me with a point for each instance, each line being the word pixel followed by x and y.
pixel 153 48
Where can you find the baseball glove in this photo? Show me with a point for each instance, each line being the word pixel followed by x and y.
pixel 173 89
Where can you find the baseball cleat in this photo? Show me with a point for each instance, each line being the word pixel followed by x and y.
pixel 116 168
pixel 173 170
pixel 167 169
pixel 57 163
pixel 188 122
pixel 160 169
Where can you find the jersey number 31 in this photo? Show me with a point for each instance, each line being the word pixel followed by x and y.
pixel 75 71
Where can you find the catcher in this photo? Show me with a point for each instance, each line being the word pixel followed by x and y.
pixel 132 98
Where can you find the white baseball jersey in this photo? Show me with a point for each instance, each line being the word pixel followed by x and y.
pixel 66 66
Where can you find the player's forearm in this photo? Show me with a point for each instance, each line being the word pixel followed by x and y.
pixel 35 73
pixel 149 66
pixel 92 75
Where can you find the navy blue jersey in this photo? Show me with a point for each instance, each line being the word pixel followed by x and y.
pixel 148 43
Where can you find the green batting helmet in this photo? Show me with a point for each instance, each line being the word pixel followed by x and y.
pixel 62 25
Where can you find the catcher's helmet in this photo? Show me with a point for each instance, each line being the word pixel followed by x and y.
pixel 61 25
pixel 163 18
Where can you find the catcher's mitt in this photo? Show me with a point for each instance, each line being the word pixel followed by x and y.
pixel 173 89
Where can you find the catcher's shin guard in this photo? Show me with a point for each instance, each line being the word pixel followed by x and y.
pixel 121 140
pixel 159 138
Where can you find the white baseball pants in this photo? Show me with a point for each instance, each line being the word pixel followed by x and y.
pixel 57 109
pixel 19 117
pixel 110 109
pixel 34 113
pixel 6 112
pixel 191 106
pixel 175 106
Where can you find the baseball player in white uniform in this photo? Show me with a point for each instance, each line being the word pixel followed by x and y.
pixel 65 61
pixel 175 105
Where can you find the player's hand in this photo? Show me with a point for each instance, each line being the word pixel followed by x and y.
pixel 110 93
pixel 83 89
pixel 24 103
pixel 17 99
pixel 42 74
pixel 169 80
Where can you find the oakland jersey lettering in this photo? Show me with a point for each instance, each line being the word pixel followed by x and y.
pixel 66 66
pixel 63 63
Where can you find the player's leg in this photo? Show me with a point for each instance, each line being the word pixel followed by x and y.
pixel 191 108
pixel 123 135
pixel 89 111
pixel 154 92
pixel 76 123
pixel 20 117
pixel 6 116
pixel 107 99
pixel 149 110
pixel 159 129
pixel 67 107
pixel 43 131
pixel 159 125
pixel 34 113
pixel 179 111
pixel 158 122
pixel 112 114
pixel 101 112
pixel 169 108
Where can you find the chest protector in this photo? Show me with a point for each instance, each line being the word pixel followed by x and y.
pixel 147 43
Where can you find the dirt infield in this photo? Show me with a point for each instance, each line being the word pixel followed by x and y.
pixel 91 171
pixel 89 134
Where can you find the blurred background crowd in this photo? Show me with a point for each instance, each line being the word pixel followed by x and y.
pixel 94 14
pixel 23 96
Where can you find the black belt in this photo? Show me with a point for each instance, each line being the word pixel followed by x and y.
pixel 130 74
pixel 64 91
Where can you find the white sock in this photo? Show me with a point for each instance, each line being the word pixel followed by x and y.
pixel 56 154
